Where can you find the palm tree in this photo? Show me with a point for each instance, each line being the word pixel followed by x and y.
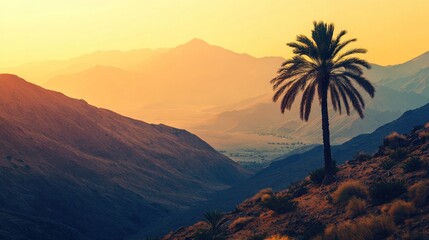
pixel 321 65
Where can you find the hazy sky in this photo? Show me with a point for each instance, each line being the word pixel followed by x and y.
pixel 393 31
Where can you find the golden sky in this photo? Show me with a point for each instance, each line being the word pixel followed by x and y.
pixel 393 31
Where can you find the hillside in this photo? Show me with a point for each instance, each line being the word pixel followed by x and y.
pixel 71 167
pixel 384 196
pixel 291 168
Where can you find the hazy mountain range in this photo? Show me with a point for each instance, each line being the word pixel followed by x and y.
pixel 214 91
pixel 72 169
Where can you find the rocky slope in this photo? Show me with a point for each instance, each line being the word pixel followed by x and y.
pixel 71 167
pixel 380 196
pixel 291 168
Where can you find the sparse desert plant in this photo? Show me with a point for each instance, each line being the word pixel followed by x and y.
pixel 279 204
pixel 365 228
pixel 355 207
pixel 348 190
pixel 214 219
pixel 411 165
pixel 401 210
pixel 239 223
pixel 278 237
pixel 383 192
pixel 419 193
pixel 388 164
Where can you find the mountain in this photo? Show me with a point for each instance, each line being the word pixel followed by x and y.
pixel 378 73
pixel 212 74
pixel 40 72
pixel 418 82
pixel 265 117
pixel 87 172
pixel 369 200
pixel 281 173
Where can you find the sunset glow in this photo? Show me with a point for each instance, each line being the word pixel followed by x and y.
pixel 392 31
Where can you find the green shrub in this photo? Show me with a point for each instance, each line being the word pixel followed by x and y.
pixel 412 165
pixel 419 193
pixel 279 204
pixel 348 190
pixel 387 164
pixel 386 191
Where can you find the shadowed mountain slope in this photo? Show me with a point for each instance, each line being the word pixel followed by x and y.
pixel 92 171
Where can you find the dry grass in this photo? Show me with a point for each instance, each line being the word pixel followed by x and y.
pixel 400 210
pixel 261 194
pixel 419 193
pixel 278 237
pixel 348 190
pixel 395 135
pixel 355 207
pixel 239 223
pixel 366 228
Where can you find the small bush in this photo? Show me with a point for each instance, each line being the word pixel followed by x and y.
pixel 278 237
pixel 398 154
pixel 349 189
pixel 362 157
pixel 239 223
pixel 383 192
pixel 297 189
pixel 355 207
pixel 258 197
pixel 419 193
pixel 366 228
pixel 401 210
pixel 387 164
pixel 412 165
pixel 279 204
pixel 317 176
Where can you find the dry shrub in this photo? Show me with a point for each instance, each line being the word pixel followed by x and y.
pixel 348 190
pixel 427 125
pixel 239 223
pixel 278 237
pixel 401 210
pixel 258 197
pixel 394 136
pixel 419 193
pixel 280 204
pixel 366 228
pixel 355 207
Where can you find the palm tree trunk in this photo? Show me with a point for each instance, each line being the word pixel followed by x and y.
pixel 329 171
